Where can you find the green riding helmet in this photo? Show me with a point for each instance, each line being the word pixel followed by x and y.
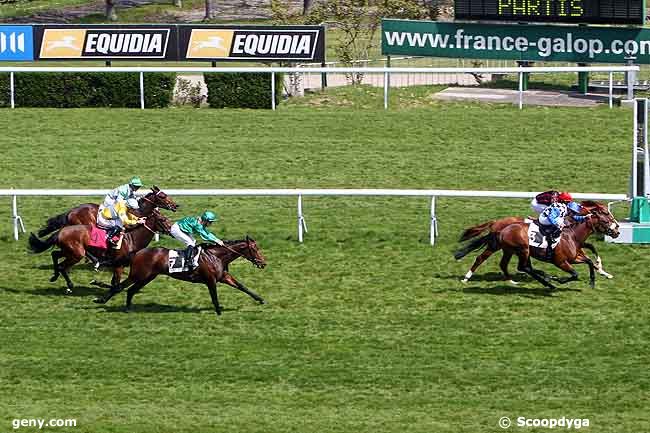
pixel 135 181
pixel 209 216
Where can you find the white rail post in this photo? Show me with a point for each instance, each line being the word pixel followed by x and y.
pixel 521 90
pixel 11 89
pixel 141 90
pixel 611 97
pixel 386 90
pixel 273 90
pixel 17 219
pixel 434 222
pixel 302 224
pixel 635 137
pixel 156 237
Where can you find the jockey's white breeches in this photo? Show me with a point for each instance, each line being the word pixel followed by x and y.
pixel 104 223
pixel 179 234
pixel 538 207
pixel 543 220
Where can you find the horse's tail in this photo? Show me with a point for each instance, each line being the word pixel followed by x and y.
pixel 472 232
pixel 476 244
pixel 54 223
pixel 38 246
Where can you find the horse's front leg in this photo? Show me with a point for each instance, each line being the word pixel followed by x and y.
pixel 599 262
pixel 566 267
pixel 212 288
pixel 232 282
pixel 592 269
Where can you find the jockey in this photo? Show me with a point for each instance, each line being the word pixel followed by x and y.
pixel 543 200
pixel 554 216
pixel 124 192
pixel 113 218
pixel 185 227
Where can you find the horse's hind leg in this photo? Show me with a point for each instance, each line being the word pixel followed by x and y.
pixel 132 291
pixel 526 266
pixel 503 264
pixel 56 255
pixel 212 288
pixel 477 262
pixel 232 282
pixel 64 268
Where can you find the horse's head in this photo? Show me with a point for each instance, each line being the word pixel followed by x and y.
pixel 159 199
pixel 158 223
pixel 601 219
pixel 253 253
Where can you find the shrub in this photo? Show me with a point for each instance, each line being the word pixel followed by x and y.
pixel 240 90
pixel 97 89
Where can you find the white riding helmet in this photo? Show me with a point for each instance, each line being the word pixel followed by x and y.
pixel 132 204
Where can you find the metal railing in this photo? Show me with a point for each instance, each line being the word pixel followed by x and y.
pixel 630 72
pixel 432 194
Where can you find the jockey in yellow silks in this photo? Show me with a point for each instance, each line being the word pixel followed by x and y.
pixel 113 218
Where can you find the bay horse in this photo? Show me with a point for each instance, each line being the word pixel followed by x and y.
pixel 499 224
pixel 148 263
pixel 73 243
pixel 513 240
pixel 87 213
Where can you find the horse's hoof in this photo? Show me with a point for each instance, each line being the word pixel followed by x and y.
pixel 513 282
pixel 67 292
pixel 464 280
pixel 99 301
pixel 127 310
pixel 53 278
pixel 262 301
pixel 218 312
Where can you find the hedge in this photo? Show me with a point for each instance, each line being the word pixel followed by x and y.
pixel 96 89
pixel 240 90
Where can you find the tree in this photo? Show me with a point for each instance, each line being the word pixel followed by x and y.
pixel 111 15
pixel 208 10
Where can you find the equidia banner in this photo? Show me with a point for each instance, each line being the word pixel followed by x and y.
pixel 163 42
pixel 520 42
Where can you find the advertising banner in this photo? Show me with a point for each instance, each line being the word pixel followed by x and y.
pixel 264 43
pixel 516 42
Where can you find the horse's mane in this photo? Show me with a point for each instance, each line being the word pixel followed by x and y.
pixel 227 242
pixel 590 204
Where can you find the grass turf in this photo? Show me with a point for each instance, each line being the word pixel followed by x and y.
pixel 367 327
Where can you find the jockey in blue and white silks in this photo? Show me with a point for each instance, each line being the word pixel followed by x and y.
pixel 555 216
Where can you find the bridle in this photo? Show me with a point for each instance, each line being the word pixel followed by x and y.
pixel 251 259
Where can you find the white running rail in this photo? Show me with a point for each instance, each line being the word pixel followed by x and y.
pixel 432 194
pixel 630 72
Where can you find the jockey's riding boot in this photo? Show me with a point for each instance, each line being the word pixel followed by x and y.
pixel 189 256
pixel 549 246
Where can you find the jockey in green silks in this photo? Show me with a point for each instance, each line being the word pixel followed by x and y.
pixel 184 228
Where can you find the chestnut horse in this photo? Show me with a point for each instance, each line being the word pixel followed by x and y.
pixel 499 224
pixel 73 246
pixel 87 213
pixel 148 263
pixel 513 239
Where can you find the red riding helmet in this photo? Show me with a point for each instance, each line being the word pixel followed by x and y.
pixel 564 197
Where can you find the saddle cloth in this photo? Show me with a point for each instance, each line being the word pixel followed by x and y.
pixel 536 238
pixel 97 238
pixel 177 261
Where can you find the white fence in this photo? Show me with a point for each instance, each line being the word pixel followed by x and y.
pixel 432 194
pixel 630 72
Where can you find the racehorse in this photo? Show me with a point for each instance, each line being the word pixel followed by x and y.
pixel 87 213
pixel 148 263
pixel 73 243
pixel 513 239
pixel 499 224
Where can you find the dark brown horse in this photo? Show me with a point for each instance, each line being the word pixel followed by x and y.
pixel 73 243
pixel 513 240
pixel 499 224
pixel 148 263
pixel 87 213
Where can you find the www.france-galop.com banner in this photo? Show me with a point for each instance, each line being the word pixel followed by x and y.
pixel 515 42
